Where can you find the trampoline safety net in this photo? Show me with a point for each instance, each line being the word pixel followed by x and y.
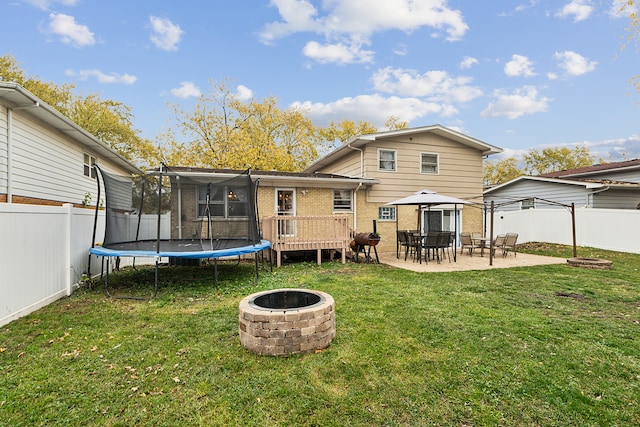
pixel 205 212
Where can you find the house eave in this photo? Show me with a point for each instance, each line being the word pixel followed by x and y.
pixel 19 97
pixel 276 179
pixel 361 140
pixel 587 185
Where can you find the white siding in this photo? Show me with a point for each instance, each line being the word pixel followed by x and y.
pixel 45 165
pixel 48 165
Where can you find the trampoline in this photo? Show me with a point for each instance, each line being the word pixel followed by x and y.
pixel 210 217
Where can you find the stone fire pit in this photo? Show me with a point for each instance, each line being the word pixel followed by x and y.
pixel 287 321
pixel 593 263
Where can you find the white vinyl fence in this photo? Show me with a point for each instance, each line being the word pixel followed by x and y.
pixel 44 252
pixel 613 229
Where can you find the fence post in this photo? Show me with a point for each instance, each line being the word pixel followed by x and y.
pixel 68 207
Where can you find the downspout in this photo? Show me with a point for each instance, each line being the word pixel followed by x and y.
pixel 355 209
pixel 179 207
pixel 10 148
pixel 355 206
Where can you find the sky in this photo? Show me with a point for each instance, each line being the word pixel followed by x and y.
pixel 520 75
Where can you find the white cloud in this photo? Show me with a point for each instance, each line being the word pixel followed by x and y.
pixel 434 85
pixel 69 31
pixel 579 9
pixel 186 90
pixel 244 93
pixel 166 35
pixel 337 53
pixel 353 22
pixel 113 78
pixel 468 62
pixel 525 100
pixel 46 4
pixel 573 63
pixel 526 6
pixel 401 50
pixel 101 77
pixel 519 66
pixel 375 109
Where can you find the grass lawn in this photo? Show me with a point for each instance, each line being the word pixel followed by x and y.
pixel 546 345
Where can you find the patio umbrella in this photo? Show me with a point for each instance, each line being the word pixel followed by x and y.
pixel 430 198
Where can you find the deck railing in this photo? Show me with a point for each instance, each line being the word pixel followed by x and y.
pixel 301 233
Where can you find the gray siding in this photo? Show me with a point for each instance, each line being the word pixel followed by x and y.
pixel 617 199
pixel 559 193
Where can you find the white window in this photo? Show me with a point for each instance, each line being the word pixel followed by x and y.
pixel 386 160
pixel 387 213
pixel 224 202
pixel 428 163
pixel 528 204
pixel 342 200
pixel 89 161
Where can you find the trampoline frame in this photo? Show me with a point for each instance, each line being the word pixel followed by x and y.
pixel 158 253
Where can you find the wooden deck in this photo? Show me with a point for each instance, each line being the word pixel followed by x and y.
pixel 303 233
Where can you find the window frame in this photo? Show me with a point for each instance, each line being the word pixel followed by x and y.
pixel 348 203
pixel 87 168
pixel 395 160
pixel 422 163
pixel 529 203
pixel 387 218
pixel 225 202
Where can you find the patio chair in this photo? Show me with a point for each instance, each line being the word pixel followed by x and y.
pixel 430 243
pixel 445 241
pixel 401 242
pixel 498 244
pixel 467 243
pixel 510 240
pixel 414 242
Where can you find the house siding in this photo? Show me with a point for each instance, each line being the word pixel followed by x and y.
pixel 349 165
pixel 460 168
pixel 459 175
pixel 559 193
pixel 617 199
pixel 47 166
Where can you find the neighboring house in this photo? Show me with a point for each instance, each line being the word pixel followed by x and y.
pixel 46 159
pixel 606 186
pixel 359 178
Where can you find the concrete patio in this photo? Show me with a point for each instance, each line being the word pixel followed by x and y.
pixel 465 262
